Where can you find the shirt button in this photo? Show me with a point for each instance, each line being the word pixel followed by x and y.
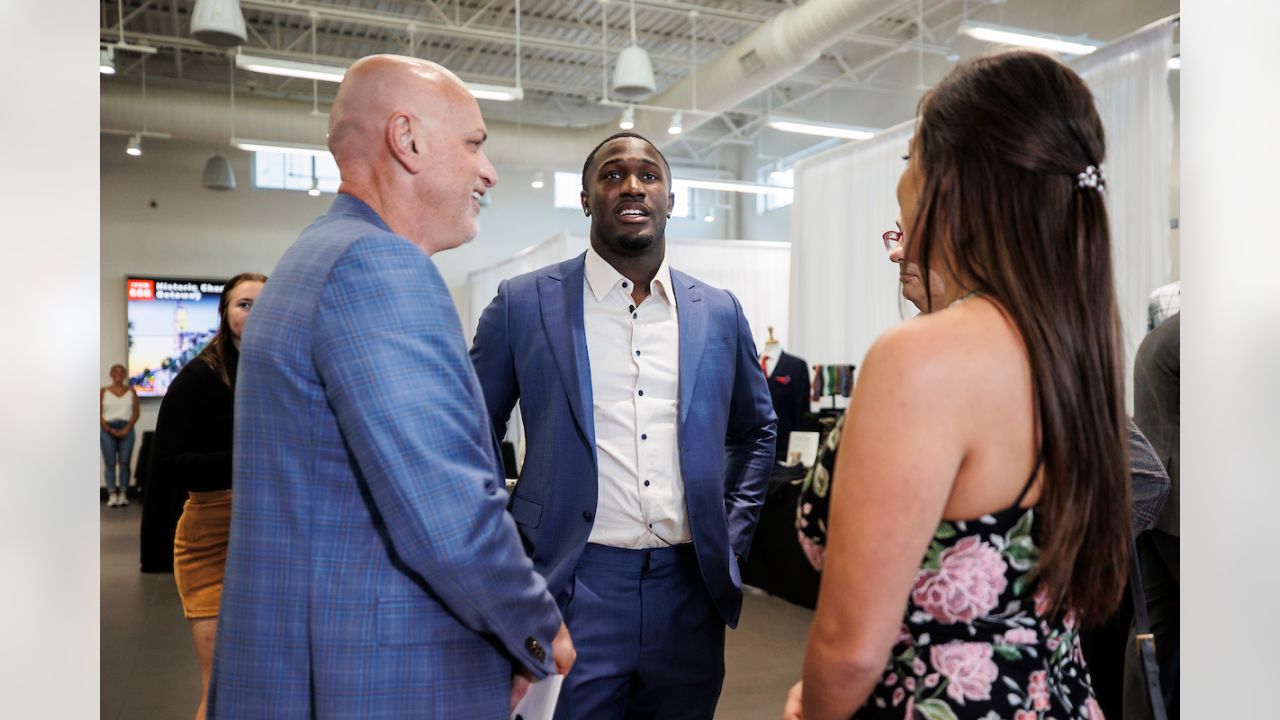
pixel 586 515
pixel 644 436
pixel 637 353
pixel 646 483
pixel 641 393
pixel 650 526
pixel 624 284
pixel 635 316
pixel 631 308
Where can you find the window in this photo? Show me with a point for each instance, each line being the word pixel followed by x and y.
pixel 568 185
pixel 289 171
pixel 773 175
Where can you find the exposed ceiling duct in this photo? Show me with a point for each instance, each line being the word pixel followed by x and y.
pixel 783 45
pixel 776 49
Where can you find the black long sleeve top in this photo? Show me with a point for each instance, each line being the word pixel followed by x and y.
pixel 194 430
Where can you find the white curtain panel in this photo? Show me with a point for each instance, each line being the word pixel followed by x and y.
pixel 756 272
pixel 482 285
pixel 843 292
pixel 1130 82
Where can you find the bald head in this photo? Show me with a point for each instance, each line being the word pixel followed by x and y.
pixel 377 87
pixel 408 138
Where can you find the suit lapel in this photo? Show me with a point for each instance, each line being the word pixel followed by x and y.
pixel 560 297
pixel 692 313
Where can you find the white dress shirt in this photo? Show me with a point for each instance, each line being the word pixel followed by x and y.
pixel 634 354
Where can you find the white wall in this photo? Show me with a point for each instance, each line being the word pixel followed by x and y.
pixel 192 231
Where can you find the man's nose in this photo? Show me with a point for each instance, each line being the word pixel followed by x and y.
pixel 631 186
pixel 488 173
pixel 895 255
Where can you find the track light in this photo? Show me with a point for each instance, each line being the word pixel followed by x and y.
pixel 290 68
pixel 501 93
pixel 315 188
pixel 628 120
pixel 335 73
pixel 279 147
pixel 733 186
pixel 710 216
pixel 677 124
pixel 1027 38
pixel 806 127
pixel 134 147
pixel 107 61
pixel 538 181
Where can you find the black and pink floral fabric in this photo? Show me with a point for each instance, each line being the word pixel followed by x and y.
pixel 977 642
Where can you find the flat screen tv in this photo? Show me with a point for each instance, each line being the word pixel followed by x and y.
pixel 171 319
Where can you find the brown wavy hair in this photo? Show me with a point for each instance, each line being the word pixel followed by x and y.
pixel 1001 141
pixel 221 352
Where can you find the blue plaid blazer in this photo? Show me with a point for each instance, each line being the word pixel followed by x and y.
pixel 373 571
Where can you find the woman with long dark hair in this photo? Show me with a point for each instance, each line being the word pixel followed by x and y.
pixel 980 515
pixel 193 447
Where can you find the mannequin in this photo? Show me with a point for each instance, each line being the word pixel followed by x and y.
pixel 789 388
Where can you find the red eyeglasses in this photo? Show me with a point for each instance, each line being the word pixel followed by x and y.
pixel 892 240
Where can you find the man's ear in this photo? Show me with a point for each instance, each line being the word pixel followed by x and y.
pixel 586 205
pixel 671 204
pixel 403 146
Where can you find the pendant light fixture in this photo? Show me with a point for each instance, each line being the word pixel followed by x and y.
pixel 677 124
pixel 218 22
pixel 633 75
pixel 539 181
pixel 628 120
pixel 218 173
pixel 134 148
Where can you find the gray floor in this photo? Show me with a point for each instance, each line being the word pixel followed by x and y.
pixel 149 670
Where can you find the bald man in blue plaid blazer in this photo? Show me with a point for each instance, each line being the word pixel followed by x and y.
pixel 373 570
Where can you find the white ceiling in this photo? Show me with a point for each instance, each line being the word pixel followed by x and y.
pixel 872 76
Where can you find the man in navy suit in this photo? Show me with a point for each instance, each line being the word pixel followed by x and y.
pixel 373 570
pixel 650 437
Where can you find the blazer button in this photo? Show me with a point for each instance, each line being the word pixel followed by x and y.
pixel 535 649
pixel 586 515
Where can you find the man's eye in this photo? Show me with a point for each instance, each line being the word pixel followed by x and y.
pixel 650 176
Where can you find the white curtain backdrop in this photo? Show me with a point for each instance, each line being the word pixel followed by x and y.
pixel 758 273
pixel 1130 81
pixel 843 290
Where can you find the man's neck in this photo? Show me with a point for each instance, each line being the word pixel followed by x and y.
pixel 395 214
pixel 639 269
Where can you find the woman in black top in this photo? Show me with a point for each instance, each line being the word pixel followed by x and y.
pixel 193 447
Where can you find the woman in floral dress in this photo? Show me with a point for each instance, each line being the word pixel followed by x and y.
pixel 981 515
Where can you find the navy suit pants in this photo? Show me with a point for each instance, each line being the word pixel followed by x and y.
pixel 650 641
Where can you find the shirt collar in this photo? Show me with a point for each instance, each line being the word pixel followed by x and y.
pixel 602 278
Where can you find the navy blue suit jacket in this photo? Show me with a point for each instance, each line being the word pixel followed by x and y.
pixel 531 346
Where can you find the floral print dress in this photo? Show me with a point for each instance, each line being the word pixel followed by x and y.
pixel 976 640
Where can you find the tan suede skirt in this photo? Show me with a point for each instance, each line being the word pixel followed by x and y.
pixel 200 552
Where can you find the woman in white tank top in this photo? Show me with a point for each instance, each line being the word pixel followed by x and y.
pixel 119 412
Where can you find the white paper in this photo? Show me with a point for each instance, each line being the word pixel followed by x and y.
pixel 803 446
pixel 540 702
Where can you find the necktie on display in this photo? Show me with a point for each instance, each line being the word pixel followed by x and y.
pixel 764 364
